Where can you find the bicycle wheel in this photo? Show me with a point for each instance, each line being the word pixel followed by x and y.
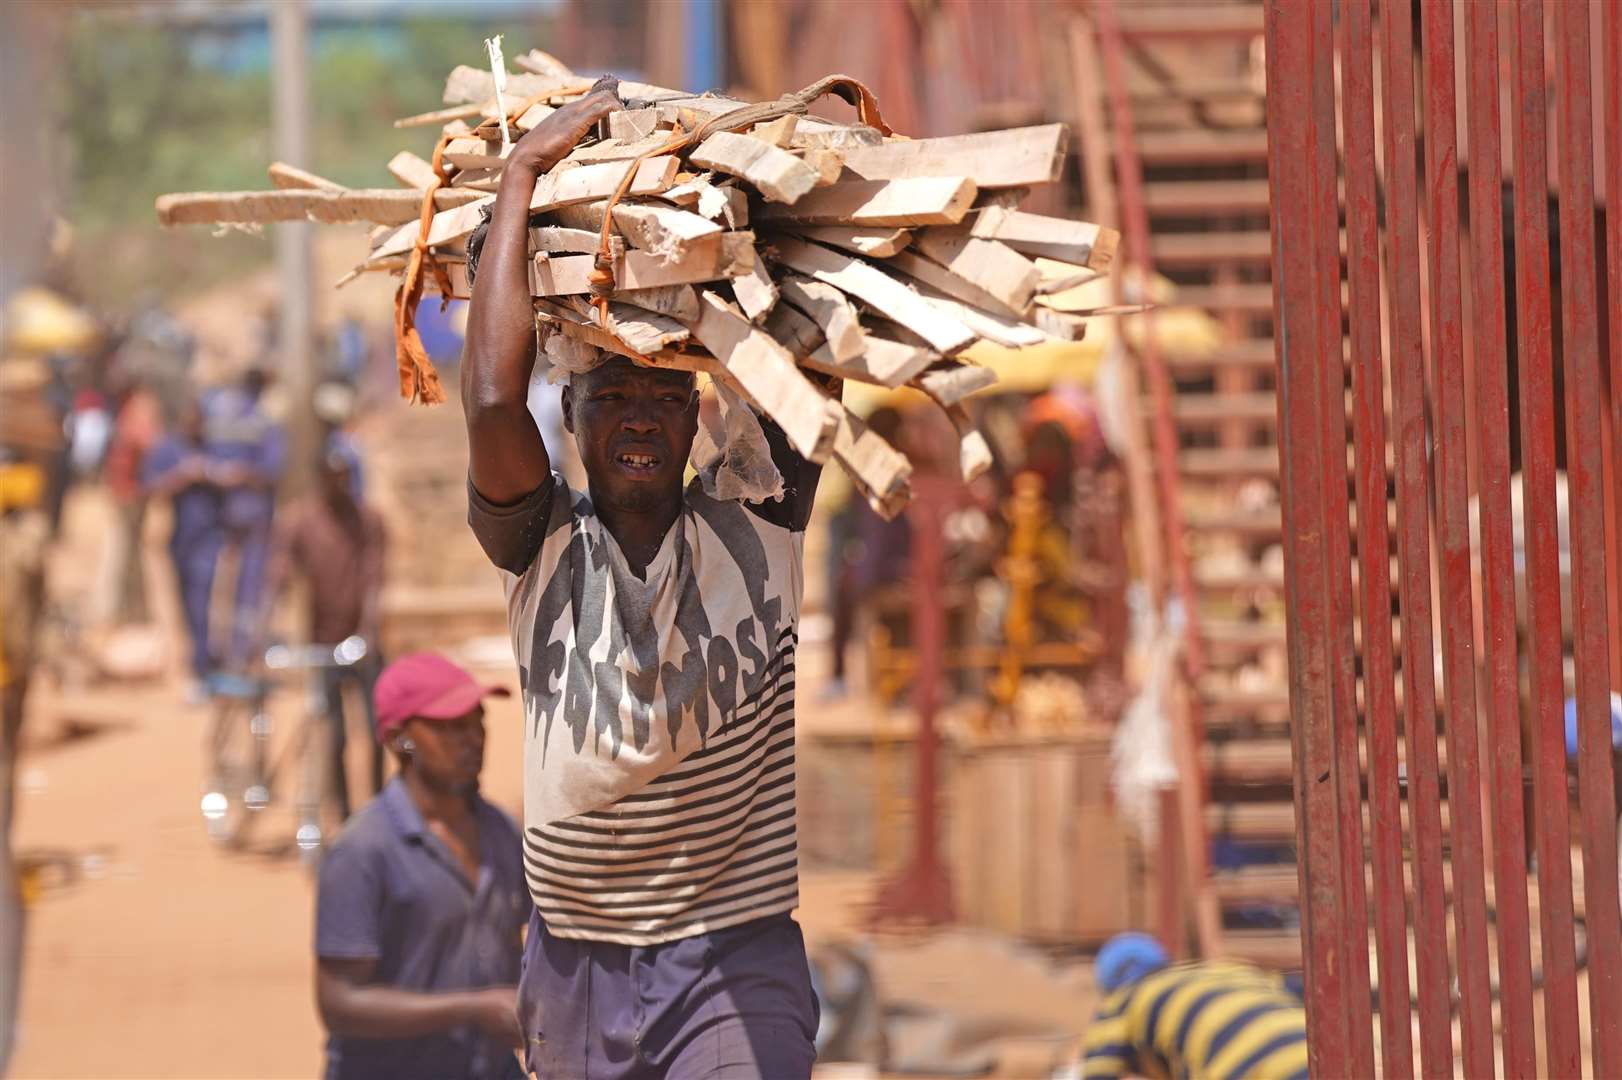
pixel 238 786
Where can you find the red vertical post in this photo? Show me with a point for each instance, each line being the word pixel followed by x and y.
pixel 1405 349
pixel 924 889
pixel 1611 79
pixel 1337 547
pixel 1373 540
pixel 1293 159
pixel 1453 539
pixel 1498 543
pixel 1535 363
pixel 1579 336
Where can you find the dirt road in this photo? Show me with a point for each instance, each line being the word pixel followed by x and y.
pixel 154 953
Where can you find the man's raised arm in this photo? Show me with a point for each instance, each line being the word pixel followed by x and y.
pixel 506 457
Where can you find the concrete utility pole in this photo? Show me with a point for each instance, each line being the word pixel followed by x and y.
pixel 290 120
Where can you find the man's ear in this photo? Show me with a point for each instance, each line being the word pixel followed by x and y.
pixel 567 401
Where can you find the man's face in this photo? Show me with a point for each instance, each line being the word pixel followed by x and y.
pixel 634 426
pixel 449 753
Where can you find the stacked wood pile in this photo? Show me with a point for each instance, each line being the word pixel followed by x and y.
pixel 760 249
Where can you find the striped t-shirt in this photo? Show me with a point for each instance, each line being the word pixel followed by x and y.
pixel 659 709
pixel 1203 1021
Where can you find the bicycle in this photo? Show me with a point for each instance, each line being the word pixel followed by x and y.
pixel 243 771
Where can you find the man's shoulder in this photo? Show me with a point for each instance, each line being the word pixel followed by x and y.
pixel 368 834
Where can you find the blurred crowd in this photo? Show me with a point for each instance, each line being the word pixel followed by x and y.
pixel 207 461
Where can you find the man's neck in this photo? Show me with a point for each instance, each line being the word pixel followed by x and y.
pixel 639 533
pixel 436 803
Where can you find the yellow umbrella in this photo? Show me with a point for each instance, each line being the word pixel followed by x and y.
pixel 38 321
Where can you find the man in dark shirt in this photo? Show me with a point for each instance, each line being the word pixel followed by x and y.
pixel 336 544
pixel 422 899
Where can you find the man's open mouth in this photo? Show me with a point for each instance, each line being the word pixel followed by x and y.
pixel 639 462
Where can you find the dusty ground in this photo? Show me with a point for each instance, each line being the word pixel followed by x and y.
pixel 154 953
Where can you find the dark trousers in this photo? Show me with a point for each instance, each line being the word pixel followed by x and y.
pixel 362 677
pixel 734 1004
pixel 253 561
pixel 195 559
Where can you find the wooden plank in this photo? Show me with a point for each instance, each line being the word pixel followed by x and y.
pixel 555 189
pixel 557 238
pixel 993 267
pixel 412 171
pixel 930 200
pixel 471 153
pixel 883 362
pixel 879 468
pixel 795 331
pixel 388 206
pixel 829 165
pixel 485 180
pixel 439 116
pixel 776 174
pixel 664 230
pixel 574 325
pixel 872 286
pixel 1080 243
pixel 714 201
pixel 836 138
pixel 286 176
pixel 614 150
pixel 993 326
pixel 950 381
pixel 768 374
pixel 470 84
pixel 540 62
pixel 632 125
pixel 833 314
pixel 1051 846
pixel 973 452
pixel 1059 324
pixel 730 255
pixel 946 283
pixel 992 159
pixel 756 292
pixel 643 330
pixel 680 302
pixel 779 132
pixel 875 242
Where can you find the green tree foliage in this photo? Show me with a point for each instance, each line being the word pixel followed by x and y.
pixel 151 109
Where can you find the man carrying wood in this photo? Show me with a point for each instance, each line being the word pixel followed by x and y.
pixel 654 627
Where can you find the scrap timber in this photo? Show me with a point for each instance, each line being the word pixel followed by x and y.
pixel 751 243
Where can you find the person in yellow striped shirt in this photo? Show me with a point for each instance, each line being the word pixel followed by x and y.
pixel 1209 1020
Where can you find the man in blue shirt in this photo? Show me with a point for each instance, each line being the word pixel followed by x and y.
pixel 422 899
pixel 177 468
pixel 248 451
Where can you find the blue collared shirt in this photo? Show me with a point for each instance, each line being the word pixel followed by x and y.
pixel 392 891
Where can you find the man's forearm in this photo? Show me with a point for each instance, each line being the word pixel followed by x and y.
pixel 501 319
pixel 384 1012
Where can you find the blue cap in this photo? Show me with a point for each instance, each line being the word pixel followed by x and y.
pixel 1571 724
pixel 1126 958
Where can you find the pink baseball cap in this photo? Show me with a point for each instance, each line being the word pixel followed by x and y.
pixel 427 686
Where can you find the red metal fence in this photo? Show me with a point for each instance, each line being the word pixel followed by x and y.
pixel 1485 660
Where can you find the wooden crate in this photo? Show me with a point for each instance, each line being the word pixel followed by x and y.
pixel 1035 848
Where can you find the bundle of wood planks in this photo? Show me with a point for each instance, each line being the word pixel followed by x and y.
pixel 761 249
